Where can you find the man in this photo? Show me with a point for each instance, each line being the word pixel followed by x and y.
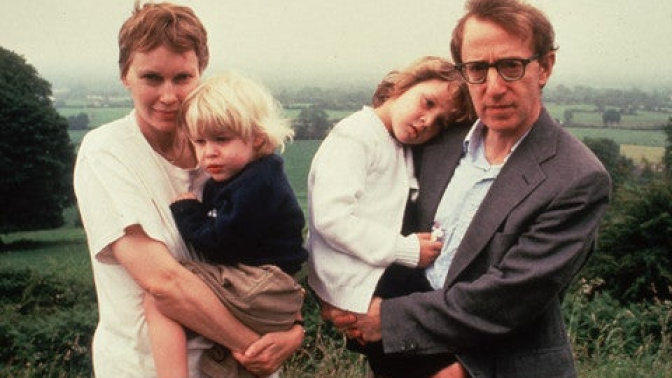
pixel 520 200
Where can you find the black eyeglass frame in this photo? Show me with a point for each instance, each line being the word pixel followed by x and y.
pixel 496 65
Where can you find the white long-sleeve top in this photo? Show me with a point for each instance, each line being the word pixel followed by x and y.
pixel 358 185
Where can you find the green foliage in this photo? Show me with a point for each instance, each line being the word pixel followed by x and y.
pixel 311 123
pixel 568 116
pixel 79 121
pixel 622 341
pixel 52 338
pixel 634 255
pixel 610 117
pixel 46 325
pixel 619 167
pixel 36 156
pixel 667 157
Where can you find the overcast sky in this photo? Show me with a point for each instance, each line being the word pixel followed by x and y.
pixel 609 43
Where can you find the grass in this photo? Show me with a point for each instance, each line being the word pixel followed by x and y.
pixel 298 156
pixel 62 252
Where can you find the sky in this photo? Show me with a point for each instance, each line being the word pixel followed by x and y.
pixel 603 43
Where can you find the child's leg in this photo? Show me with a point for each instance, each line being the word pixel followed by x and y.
pixel 169 342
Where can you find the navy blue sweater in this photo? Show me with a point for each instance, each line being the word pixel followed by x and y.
pixel 253 219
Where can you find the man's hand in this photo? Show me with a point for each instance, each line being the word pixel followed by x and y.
pixel 369 324
pixel 363 327
pixel 344 321
pixel 266 355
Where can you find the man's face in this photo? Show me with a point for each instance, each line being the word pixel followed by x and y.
pixel 508 107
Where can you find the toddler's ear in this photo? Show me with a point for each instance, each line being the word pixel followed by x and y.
pixel 259 141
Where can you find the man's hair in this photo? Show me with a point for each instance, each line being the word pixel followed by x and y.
pixel 514 16
pixel 234 103
pixel 164 24
pixel 396 82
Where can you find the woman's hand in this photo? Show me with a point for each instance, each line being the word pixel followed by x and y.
pixel 266 355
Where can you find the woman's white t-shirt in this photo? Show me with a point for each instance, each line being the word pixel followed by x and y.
pixel 121 181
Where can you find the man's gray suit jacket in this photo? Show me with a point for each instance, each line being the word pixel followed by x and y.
pixel 500 307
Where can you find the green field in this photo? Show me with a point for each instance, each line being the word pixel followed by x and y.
pixel 587 116
pixel 650 138
pixel 97 116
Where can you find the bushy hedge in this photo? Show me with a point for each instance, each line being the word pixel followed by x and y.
pixel 608 337
pixel 46 325
pixel 600 325
pixel 634 254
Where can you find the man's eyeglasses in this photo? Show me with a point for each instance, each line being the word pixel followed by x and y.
pixel 510 69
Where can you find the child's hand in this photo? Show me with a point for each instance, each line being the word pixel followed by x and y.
pixel 429 249
pixel 185 196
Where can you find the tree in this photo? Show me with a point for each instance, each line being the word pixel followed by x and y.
pixel 610 117
pixel 36 155
pixel 311 123
pixel 568 116
pixel 634 252
pixel 667 157
pixel 79 121
pixel 619 167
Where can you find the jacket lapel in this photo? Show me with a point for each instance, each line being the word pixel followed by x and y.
pixel 521 175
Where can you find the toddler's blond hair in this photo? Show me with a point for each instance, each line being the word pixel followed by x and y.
pixel 235 103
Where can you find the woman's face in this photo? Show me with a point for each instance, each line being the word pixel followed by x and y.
pixel 158 81
pixel 412 117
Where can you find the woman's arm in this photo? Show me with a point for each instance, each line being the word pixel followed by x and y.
pixel 178 293
pixel 182 296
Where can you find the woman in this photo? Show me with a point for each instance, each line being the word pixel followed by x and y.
pixel 126 175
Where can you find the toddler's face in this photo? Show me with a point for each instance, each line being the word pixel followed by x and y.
pixel 224 155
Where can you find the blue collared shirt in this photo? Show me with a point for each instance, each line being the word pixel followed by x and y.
pixel 462 198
